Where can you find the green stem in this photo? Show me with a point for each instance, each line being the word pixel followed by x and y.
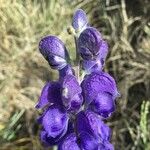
pixel 77 60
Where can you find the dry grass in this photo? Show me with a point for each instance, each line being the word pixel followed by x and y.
pixel 23 71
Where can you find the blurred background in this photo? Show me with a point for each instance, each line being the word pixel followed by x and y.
pixel 23 71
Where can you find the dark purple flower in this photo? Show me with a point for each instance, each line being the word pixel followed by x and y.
pixel 54 51
pixel 51 93
pixel 84 141
pixel 91 123
pixel 54 122
pixel 89 43
pixel 99 90
pixel 103 104
pixel 92 132
pixel 50 141
pixel 79 21
pixel 71 93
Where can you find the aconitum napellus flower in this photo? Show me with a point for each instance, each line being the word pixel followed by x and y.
pixel 76 106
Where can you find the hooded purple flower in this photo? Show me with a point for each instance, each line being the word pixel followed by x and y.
pixel 54 51
pixel 54 123
pixel 91 134
pixel 92 131
pixel 51 93
pixel 100 92
pixel 98 63
pixel 91 123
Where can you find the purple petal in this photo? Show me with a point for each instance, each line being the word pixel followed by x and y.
pixel 98 82
pixel 56 62
pixel 47 141
pixel 79 21
pixel 50 94
pixel 88 142
pixel 99 129
pixel 69 143
pixel 44 100
pixel 92 65
pixel 89 43
pixel 90 123
pixel 76 102
pixel 82 123
pixel 54 121
pixel 54 51
pixel 103 52
pixel 105 146
pixel 67 70
pixel 71 93
pixel 92 132
pixel 103 104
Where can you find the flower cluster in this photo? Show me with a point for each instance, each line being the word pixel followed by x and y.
pixel 75 107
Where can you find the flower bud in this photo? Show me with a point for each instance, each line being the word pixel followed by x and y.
pixel 54 51
pixel 79 21
pixel 100 91
pixel 96 64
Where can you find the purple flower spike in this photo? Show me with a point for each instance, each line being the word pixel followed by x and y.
pixel 50 94
pixel 79 21
pixel 69 143
pixel 89 43
pixel 54 51
pixel 98 82
pixel 54 121
pixel 71 93
pixel 73 112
